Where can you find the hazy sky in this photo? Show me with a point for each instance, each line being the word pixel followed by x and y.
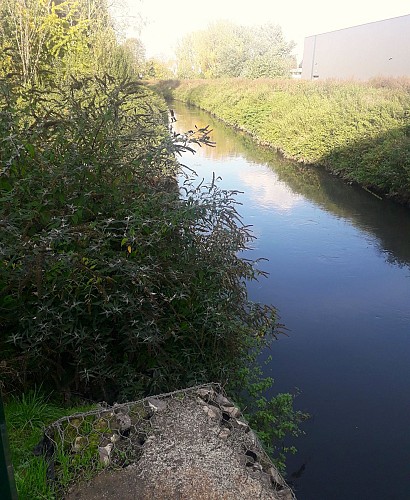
pixel 166 21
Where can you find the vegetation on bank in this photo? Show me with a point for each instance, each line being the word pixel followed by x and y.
pixel 359 131
pixel 112 285
pixel 26 417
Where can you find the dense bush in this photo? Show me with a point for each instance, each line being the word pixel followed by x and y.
pixel 359 131
pixel 112 284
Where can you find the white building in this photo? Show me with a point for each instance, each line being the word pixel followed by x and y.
pixel 380 48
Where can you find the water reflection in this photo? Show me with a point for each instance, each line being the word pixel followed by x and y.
pixel 388 222
pixel 226 138
pixel 269 191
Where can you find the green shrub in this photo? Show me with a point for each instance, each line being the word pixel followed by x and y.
pixel 112 284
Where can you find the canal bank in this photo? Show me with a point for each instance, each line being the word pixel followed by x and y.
pixel 359 132
pixel 339 263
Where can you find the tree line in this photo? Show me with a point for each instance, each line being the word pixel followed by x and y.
pixel 225 49
pixel 48 40
pixel 79 37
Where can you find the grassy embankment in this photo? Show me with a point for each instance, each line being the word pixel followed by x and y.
pixel 359 131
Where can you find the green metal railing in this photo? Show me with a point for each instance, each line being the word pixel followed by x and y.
pixel 7 486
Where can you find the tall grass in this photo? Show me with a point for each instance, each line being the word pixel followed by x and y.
pixel 26 417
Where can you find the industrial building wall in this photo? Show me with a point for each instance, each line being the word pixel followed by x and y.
pixel 361 52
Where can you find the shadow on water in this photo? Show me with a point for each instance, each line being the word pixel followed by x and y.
pixel 378 218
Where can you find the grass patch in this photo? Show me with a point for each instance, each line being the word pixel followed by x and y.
pixel 26 417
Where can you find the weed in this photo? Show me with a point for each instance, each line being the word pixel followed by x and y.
pixel 30 410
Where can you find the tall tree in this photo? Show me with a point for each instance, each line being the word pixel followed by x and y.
pixel 23 35
pixel 64 37
pixel 228 50
pixel 269 54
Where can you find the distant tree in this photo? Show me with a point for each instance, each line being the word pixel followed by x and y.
pixel 269 54
pixel 117 59
pixel 161 70
pixel 187 57
pixel 228 50
pixel 136 50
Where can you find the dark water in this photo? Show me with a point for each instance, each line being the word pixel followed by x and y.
pixel 339 264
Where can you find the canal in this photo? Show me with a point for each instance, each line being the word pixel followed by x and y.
pixel 339 274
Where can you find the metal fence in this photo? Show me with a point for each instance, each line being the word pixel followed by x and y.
pixel 7 485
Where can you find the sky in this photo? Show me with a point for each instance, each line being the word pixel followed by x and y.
pixel 164 22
